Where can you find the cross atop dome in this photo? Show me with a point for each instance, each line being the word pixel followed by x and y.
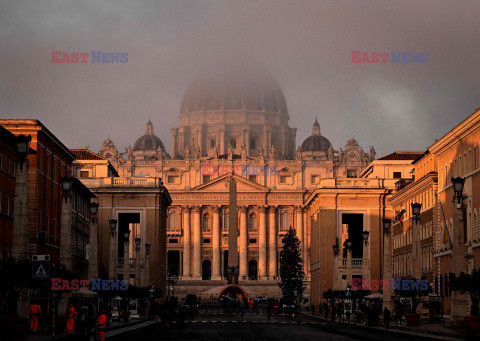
pixel 316 128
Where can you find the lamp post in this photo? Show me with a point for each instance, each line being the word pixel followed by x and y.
pixel 387 263
pixel 416 262
pixel 126 256
pixel 23 147
pixel 348 246
pixel 147 256
pixel 93 242
pixel 113 233
pixel 336 250
pixel 366 255
pixel 138 242
pixel 459 300
pixel 66 183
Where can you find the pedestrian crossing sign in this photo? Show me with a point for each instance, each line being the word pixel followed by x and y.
pixel 41 270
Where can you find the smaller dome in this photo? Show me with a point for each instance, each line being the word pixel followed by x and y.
pixel 148 141
pixel 316 142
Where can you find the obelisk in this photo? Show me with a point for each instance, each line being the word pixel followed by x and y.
pixel 232 233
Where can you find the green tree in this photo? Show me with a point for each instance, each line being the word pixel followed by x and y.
pixel 291 269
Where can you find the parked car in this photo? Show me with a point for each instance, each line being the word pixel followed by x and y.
pixel 287 306
pixel 261 299
pixel 191 304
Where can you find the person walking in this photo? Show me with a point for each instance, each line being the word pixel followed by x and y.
pixel 101 326
pixel 386 318
pixel 70 314
pixel 35 310
pixel 312 308
pixel 325 309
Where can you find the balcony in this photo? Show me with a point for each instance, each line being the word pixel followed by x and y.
pixel 402 183
pixel 356 263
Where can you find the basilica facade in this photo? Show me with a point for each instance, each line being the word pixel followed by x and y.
pixel 235 124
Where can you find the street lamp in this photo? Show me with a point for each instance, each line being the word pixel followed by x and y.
pixel 147 249
pixel 137 243
pixel 66 183
pixel 365 235
pixel 113 226
pixel 458 184
pixel 348 244
pixel 336 248
pixel 387 223
pixel 94 210
pixel 126 236
pixel 23 146
pixel 416 208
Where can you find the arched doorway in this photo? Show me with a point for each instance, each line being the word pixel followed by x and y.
pixel 252 270
pixel 206 270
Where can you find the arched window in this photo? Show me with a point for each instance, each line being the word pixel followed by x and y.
pixel 206 222
pixel 252 220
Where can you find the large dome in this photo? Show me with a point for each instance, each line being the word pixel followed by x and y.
pixel 148 141
pixel 238 88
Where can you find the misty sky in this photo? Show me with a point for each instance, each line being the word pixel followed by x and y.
pixel 305 45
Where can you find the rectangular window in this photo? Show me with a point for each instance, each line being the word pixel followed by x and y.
pixel 213 143
pixel 206 178
pixel 397 175
pixel 206 240
pixel 252 241
pixel 84 174
pixel 351 173
pixel 233 142
pixel 173 179
pixel 285 179
pixel 253 144
pixel 173 240
pixel 252 178
pixel 314 179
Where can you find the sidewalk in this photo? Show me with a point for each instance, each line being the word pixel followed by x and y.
pixel 114 329
pixel 434 330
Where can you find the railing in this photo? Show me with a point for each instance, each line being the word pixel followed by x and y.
pixel 355 262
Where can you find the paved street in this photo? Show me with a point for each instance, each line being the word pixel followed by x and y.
pixel 215 325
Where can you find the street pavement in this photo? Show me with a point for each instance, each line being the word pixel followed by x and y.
pixel 214 324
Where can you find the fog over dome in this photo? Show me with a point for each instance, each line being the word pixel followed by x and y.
pixel 235 88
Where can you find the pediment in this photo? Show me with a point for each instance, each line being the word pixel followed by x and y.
pixel 220 184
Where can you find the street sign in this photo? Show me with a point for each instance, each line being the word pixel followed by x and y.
pixel 40 269
pixel 348 293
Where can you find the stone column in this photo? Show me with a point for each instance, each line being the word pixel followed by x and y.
pixel 66 234
pixel 306 241
pixel 174 141
pixel 186 243
pixel 93 250
pixel 262 244
pixel 299 229
pixel 20 213
pixel 416 255
pixel 272 243
pixel 216 244
pixel 243 247
pixel 126 261
pixel 112 274
pixel 197 243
